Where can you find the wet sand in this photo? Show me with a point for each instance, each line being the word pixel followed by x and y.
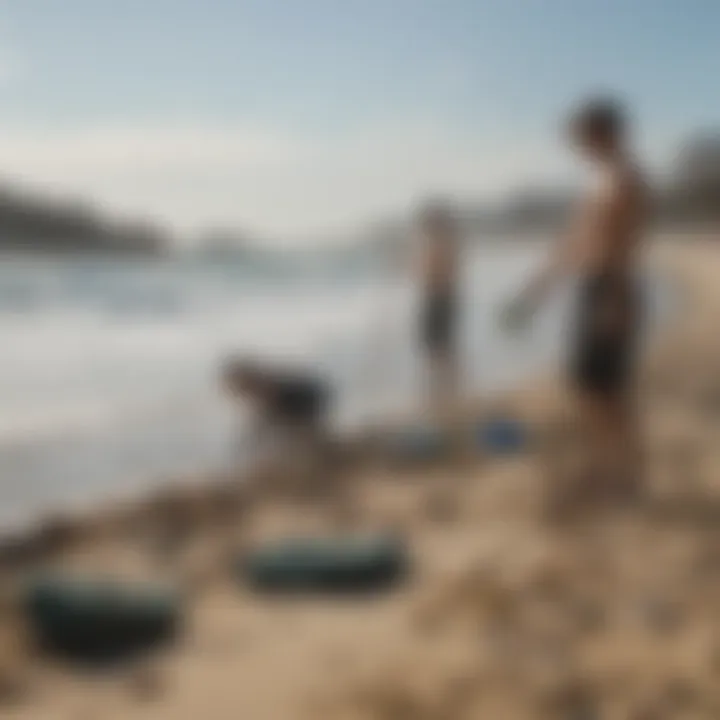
pixel 612 613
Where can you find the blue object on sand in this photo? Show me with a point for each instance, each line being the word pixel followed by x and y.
pixel 326 565
pixel 502 435
pixel 418 443
pixel 90 619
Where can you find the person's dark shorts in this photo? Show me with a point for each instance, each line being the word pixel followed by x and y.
pixel 300 401
pixel 437 322
pixel 607 326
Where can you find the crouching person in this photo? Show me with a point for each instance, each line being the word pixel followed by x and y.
pixel 288 418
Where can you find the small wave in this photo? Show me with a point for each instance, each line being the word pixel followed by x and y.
pixel 144 305
pixel 92 418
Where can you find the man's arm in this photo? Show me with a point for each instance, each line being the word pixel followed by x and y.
pixel 544 279
pixel 563 257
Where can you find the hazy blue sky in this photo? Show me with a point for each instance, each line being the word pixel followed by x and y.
pixel 300 115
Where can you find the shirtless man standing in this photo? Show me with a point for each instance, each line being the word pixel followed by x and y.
pixel 602 247
pixel 438 277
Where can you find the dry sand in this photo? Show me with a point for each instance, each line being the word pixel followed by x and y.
pixel 615 615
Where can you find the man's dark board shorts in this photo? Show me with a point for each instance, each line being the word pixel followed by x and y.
pixel 606 332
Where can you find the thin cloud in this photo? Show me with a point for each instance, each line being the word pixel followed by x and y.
pixel 268 179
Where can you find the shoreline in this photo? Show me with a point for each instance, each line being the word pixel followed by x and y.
pixel 72 519
pixel 487 563
pixel 159 482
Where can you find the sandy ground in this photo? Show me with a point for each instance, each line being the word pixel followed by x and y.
pixel 615 614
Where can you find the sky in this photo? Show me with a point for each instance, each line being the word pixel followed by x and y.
pixel 296 118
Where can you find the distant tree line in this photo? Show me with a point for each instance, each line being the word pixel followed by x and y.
pixel 693 192
pixel 34 224
pixel 690 194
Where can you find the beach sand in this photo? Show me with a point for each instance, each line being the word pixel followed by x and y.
pixel 612 614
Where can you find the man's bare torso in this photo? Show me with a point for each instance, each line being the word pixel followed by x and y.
pixel 611 221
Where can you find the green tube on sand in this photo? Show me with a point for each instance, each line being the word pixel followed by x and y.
pixel 326 565
pixel 98 619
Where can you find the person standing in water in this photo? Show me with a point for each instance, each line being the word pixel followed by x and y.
pixel 438 316
pixel 602 248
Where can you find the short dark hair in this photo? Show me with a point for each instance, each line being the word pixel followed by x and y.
pixel 601 117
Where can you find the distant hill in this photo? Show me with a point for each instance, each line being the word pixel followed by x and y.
pixel 33 224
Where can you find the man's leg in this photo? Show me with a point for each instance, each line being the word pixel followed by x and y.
pixel 604 381
pixel 438 337
pixel 614 444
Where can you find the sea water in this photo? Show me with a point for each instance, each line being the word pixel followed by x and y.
pixel 108 368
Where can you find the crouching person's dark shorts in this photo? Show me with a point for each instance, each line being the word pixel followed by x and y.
pixel 300 401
